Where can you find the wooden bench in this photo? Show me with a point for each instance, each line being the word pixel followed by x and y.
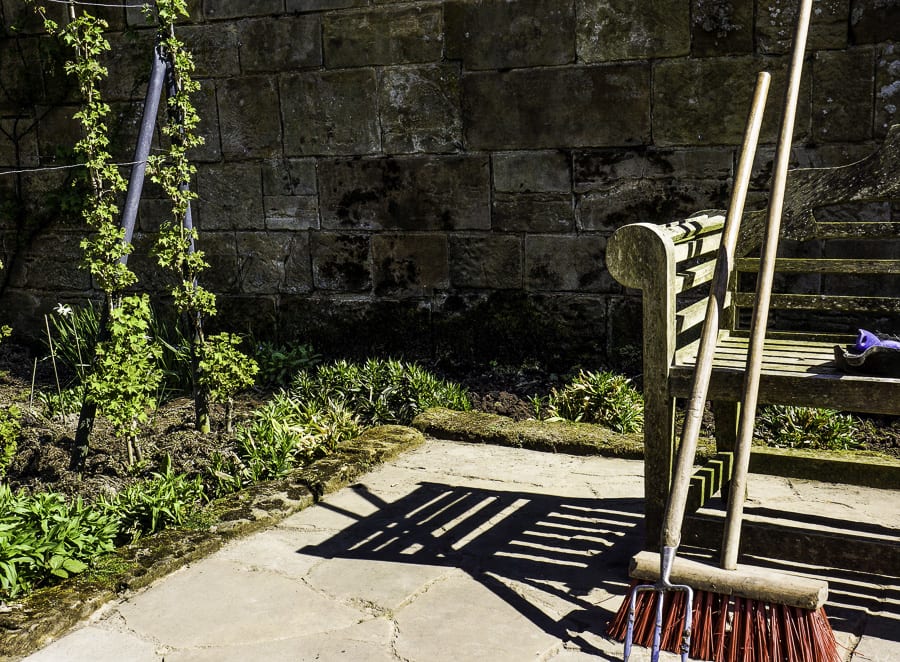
pixel 844 274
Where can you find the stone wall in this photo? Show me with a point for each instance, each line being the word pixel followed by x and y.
pixel 440 178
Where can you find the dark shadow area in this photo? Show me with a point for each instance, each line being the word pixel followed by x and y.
pixel 511 542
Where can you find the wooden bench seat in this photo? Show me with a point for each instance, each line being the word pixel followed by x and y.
pixel 839 271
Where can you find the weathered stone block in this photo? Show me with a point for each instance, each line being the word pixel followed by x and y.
pixel 842 95
pixel 601 169
pixel 330 112
pixel 208 128
pixel 390 35
pixel 534 212
pixel 497 34
pixel 410 193
pixel 128 62
pixel 689 108
pixel 289 177
pixel 626 30
pixel 721 27
pixel 776 23
pixel 291 212
pixel 410 264
pixel 153 212
pixel 52 263
pixel 608 105
pixel 57 130
pixel 516 172
pixel 322 5
pixel 490 262
pixel 420 109
pixel 18 145
pixel 270 262
pixel 241 8
pixel 214 47
pixel 648 201
pixel 230 197
pixel 283 43
pixel 874 21
pixel 20 84
pixel 566 264
pixel 625 334
pixel 887 88
pixel 220 251
pixel 249 121
pixel 341 261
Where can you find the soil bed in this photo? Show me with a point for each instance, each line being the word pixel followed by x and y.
pixel 43 455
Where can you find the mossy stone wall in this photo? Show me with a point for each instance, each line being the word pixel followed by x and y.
pixel 438 178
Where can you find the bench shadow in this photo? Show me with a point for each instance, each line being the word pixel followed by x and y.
pixel 561 550
pixel 514 543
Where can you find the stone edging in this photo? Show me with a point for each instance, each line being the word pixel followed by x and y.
pixel 47 614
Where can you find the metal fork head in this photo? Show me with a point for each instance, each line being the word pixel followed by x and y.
pixel 660 588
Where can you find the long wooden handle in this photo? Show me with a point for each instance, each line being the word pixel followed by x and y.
pixel 731 538
pixel 671 531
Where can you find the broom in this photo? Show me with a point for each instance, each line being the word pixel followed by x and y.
pixel 741 613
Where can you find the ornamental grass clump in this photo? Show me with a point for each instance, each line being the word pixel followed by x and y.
pixel 808 427
pixel 604 398
pixel 379 391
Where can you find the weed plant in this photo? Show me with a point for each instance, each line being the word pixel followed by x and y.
pixel 604 397
pixel 165 500
pixel 278 364
pixel 807 427
pixel 10 426
pixel 379 391
pixel 44 538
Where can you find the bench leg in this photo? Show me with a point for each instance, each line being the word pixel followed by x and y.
pixel 727 417
pixel 659 446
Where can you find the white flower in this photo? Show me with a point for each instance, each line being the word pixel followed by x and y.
pixel 63 309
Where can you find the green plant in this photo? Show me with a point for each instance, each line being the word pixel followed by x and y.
pixel 62 404
pixel 74 333
pixel 278 364
pixel 807 427
pixel 287 432
pixel 5 331
pixel 599 397
pixel 379 391
pixel 10 427
pixel 166 499
pixel 126 373
pixel 44 537
pixel 224 370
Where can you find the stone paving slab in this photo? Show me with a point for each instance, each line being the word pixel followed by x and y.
pixel 452 551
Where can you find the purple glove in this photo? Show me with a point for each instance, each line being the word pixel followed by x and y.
pixel 867 339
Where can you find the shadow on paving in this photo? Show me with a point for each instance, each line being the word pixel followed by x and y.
pixel 508 541
pixel 567 548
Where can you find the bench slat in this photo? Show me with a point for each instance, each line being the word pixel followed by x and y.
pixel 822 266
pixel 834 303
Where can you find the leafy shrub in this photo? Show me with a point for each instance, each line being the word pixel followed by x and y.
pixel 167 499
pixel 44 537
pixel 10 426
pixel 286 433
pixel 379 391
pixel 806 427
pixel 225 370
pixel 279 363
pixel 599 397
pixel 62 404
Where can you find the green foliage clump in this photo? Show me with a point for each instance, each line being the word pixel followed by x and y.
pixel 127 373
pixel 278 364
pixel 166 499
pixel 379 391
pixel 285 433
pixel 599 397
pixel 10 426
pixel 807 427
pixel 225 370
pixel 44 538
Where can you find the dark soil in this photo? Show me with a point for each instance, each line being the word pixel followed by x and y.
pixel 44 447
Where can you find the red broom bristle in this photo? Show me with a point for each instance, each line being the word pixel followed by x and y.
pixel 730 629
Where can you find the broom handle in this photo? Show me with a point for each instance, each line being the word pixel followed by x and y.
pixel 671 533
pixel 731 537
